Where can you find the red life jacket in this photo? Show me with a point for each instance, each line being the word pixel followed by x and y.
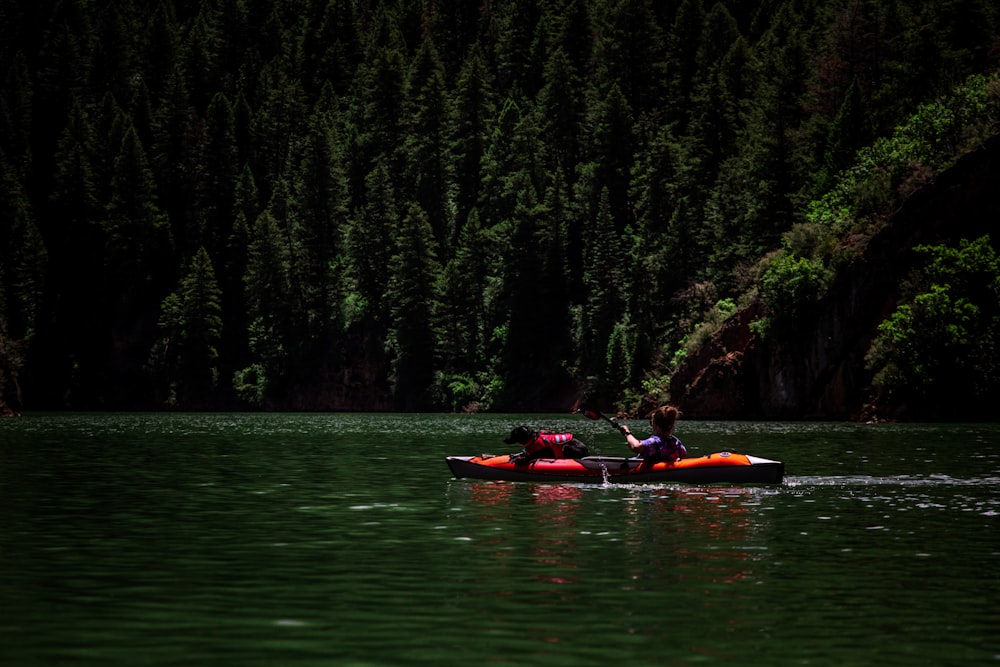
pixel 553 441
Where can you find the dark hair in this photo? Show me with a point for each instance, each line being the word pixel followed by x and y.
pixel 665 417
pixel 521 435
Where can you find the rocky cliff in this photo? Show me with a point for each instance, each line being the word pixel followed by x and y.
pixel 817 370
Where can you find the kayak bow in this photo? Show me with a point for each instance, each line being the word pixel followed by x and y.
pixel 720 467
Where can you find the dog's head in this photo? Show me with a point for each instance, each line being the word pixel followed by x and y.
pixel 521 435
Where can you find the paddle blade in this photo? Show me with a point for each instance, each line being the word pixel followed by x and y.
pixel 591 414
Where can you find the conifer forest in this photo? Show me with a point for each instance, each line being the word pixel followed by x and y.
pixel 496 205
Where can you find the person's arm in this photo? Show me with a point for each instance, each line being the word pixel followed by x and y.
pixel 633 442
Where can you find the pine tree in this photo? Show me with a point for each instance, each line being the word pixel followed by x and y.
pixel 16 110
pixel 269 297
pixel 610 150
pixel 222 172
pixel 191 325
pixel 683 39
pixel 471 118
pixel 604 307
pixel 460 319
pixel 717 85
pixel 320 205
pixel 202 330
pixel 25 259
pixel 559 113
pixel 629 52
pixel 75 344
pixel 528 356
pixel 375 111
pixel 169 152
pixel 454 25
pixel 369 247
pixel 573 34
pixel 411 342
pixel 333 47
pixel 424 144
pixel 139 241
pixel 514 24
pixel 665 257
pixel 277 123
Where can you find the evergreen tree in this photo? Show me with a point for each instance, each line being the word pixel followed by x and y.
pixel 163 46
pixel 513 22
pixel 718 84
pixel 573 35
pixel 454 26
pixel 683 40
pixel 604 307
pixel 72 348
pixel 139 242
pixel 222 171
pixel 22 273
pixel 460 319
pixel 629 52
pixel 665 256
pixel 169 152
pixel 683 137
pixel 191 323
pixel 320 202
pixel 375 111
pixel 536 294
pixel 411 342
pixel 471 117
pixel 937 354
pixel 115 62
pixel 16 111
pixel 424 145
pixel 269 297
pixel 277 123
pixel 554 295
pixel 235 36
pixel 369 248
pixel 610 153
pixel 559 113
pixel 202 331
pixel 333 47
pixel 506 155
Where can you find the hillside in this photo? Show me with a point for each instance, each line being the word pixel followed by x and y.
pixel 504 205
pixel 820 372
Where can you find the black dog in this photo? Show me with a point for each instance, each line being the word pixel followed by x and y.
pixel 546 444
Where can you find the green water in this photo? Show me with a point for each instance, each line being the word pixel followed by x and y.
pixel 293 540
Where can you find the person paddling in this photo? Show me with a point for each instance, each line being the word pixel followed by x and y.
pixel 662 445
pixel 544 445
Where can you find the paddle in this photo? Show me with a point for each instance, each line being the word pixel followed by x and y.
pixel 591 413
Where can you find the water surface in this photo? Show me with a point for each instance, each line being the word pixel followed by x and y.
pixel 244 540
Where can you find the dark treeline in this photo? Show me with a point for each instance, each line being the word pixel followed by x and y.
pixel 419 204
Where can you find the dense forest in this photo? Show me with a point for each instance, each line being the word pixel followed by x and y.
pixel 458 205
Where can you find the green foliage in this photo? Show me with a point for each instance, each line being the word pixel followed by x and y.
pixel 268 289
pixel 413 270
pixel 580 164
pixel 894 166
pixel 791 286
pixel 186 358
pixel 458 392
pixel 938 354
pixel 250 384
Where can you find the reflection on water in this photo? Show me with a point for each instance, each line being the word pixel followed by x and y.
pixel 342 540
pixel 653 538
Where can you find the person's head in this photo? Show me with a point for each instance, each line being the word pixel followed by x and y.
pixel 522 435
pixel 663 419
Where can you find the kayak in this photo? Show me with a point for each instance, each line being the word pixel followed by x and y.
pixel 719 467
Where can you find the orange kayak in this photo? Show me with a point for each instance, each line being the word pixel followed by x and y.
pixel 720 467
